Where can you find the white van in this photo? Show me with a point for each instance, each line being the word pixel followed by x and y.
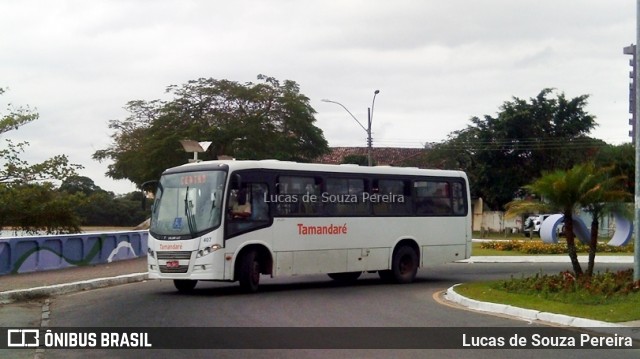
pixel 533 223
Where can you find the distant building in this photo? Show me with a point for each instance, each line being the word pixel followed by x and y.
pixel 382 156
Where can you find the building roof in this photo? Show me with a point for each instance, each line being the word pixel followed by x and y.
pixel 383 156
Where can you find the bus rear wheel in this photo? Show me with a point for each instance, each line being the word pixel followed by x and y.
pixel 345 277
pixel 249 275
pixel 184 285
pixel 404 265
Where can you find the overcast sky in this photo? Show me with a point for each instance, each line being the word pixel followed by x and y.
pixel 436 63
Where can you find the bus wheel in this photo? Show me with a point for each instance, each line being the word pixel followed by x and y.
pixel 249 275
pixel 345 276
pixel 184 285
pixel 405 265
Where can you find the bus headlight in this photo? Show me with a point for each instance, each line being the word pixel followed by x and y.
pixel 207 250
pixel 151 253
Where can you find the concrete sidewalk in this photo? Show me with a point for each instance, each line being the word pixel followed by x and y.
pixel 23 286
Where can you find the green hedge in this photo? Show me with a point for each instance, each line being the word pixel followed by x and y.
pixel 538 247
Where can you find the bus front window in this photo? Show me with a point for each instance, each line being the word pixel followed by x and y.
pixel 187 204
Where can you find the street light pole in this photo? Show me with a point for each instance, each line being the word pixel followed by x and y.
pixel 370 120
pixel 636 222
pixel 366 129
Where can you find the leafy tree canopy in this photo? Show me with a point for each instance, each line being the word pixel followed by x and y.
pixel 504 152
pixel 268 119
pixel 622 159
pixel 28 199
pixel 80 184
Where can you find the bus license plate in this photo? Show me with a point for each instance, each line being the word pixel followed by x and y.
pixel 173 264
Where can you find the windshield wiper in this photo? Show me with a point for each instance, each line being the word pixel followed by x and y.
pixel 188 211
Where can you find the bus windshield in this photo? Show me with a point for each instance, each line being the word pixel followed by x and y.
pixel 187 204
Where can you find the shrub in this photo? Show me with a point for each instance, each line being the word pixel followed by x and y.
pixel 568 288
pixel 538 247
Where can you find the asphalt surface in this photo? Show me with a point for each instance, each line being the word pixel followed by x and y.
pixel 32 286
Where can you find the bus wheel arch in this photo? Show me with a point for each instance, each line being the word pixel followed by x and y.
pixel 405 262
pixel 251 262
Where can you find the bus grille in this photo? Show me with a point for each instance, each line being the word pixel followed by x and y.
pixel 179 269
pixel 173 255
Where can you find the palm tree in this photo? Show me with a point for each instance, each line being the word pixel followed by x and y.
pixel 565 191
pixel 604 194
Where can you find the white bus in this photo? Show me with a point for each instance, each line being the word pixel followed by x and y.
pixel 239 220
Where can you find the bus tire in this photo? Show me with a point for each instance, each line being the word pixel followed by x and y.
pixel 345 277
pixel 249 275
pixel 184 285
pixel 404 266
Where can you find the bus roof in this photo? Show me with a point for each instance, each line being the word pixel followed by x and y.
pixel 234 165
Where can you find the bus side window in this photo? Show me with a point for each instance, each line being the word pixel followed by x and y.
pixel 391 197
pixel 459 200
pixel 240 201
pixel 424 204
pixel 259 208
pixel 293 193
pixel 249 202
pixel 345 197
pixel 442 198
pixel 433 198
pixel 247 208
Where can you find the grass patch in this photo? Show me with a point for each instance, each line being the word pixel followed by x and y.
pixel 609 297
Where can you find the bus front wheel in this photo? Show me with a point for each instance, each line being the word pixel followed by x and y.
pixel 404 265
pixel 184 285
pixel 249 275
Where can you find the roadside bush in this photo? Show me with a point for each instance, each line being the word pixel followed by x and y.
pixel 538 247
pixel 565 287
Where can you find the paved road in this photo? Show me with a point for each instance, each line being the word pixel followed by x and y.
pixel 303 302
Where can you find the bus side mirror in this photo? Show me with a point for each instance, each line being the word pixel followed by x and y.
pixel 148 188
pixel 235 182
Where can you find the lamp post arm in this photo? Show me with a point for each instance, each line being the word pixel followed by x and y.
pixel 349 112
pixel 372 105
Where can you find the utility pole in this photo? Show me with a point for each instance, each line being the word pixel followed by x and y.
pixel 366 129
pixel 636 222
pixel 631 50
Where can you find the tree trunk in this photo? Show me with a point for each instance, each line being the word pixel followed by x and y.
pixel 593 245
pixel 571 243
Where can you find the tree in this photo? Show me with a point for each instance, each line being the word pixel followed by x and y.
pixel 502 153
pixel 39 207
pixel 27 198
pixel 97 207
pixel 583 185
pixel 261 120
pixel 622 159
pixel 16 170
pixel 605 194
pixel 79 184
